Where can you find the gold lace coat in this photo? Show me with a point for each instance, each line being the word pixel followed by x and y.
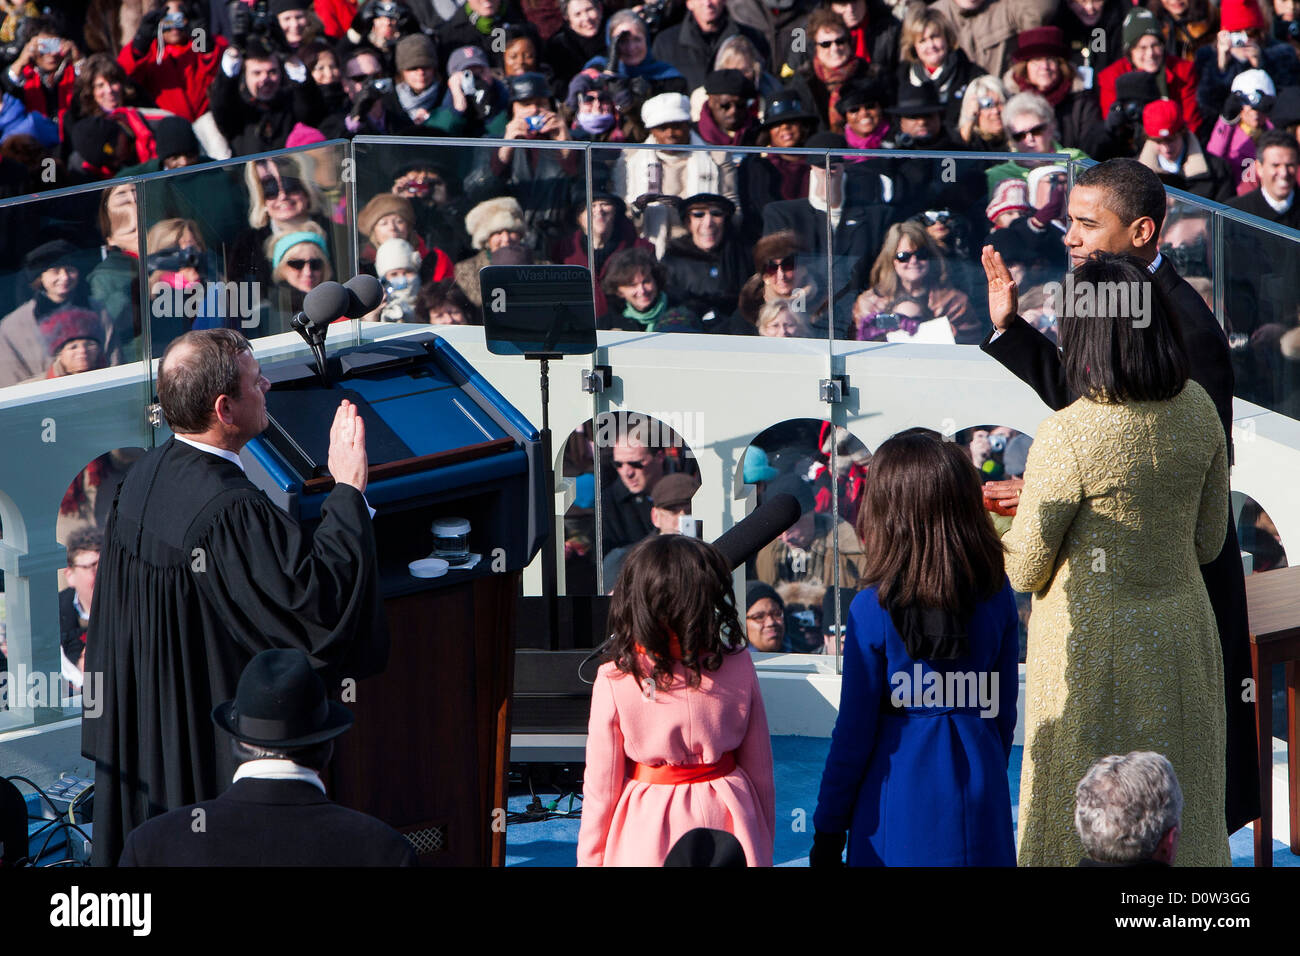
pixel 1121 504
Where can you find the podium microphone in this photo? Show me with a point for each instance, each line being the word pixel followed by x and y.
pixel 364 295
pixel 755 532
pixel 321 306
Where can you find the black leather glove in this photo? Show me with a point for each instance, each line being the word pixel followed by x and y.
pixel 1117 120
pixel 827 850
pixel 148 31
pixel 1231 111
pixel 241 22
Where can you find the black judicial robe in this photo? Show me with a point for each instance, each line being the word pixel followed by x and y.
pixel 1032 358
pixel 200 572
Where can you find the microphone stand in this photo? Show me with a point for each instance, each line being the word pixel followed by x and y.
pixel 314 335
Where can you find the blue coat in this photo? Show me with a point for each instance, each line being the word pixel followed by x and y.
pixel 925 785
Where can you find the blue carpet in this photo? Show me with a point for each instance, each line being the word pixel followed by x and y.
pixel 798 771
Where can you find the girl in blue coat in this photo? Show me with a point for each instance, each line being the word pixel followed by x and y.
pixel 917 770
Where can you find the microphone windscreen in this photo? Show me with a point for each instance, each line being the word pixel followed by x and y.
pixel 325 303
pixel 365 294
pixel 754 533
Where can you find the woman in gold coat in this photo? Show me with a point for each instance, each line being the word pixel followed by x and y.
pixel 1125 496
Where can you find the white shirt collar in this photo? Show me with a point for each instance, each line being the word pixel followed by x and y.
pixel 76 606
pixel 274 768
pixel 230 456
pixel 1278 205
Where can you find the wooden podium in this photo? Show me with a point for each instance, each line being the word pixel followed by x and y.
pixel 429 749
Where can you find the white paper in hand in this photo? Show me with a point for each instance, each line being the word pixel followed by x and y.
pixel 933 332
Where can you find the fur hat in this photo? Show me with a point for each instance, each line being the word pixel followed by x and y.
pixel 493 216
pixel 381 205
pixel 396 254
pixel 776 245
pixel 61 327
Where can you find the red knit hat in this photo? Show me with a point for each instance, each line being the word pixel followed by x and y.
pixel 1162 118
pixel 1237 15
pixel 61 327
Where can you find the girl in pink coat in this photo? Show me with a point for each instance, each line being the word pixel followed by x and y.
pixel 678 735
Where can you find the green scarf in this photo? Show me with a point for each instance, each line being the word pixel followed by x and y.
pixel 482 24
pixel 650 316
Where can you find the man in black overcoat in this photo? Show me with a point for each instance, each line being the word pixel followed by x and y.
pixel 276 812
pixel 1119 206
pixel 200 572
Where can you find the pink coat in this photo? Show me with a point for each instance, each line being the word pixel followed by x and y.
pixel 630 823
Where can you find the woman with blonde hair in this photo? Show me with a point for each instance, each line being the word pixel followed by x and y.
pixel 911 269
pixel 779 320
pixel 281 199
pixel 979 124
pixel 299 261
pixel 928 53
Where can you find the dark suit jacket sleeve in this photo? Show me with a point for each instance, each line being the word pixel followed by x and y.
pixel 775 218
pixel 1031 357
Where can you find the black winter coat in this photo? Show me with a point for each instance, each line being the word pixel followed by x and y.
pixel 255 127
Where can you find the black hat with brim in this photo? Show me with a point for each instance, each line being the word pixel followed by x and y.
pixel 920 100
pixel 280 703
pixel 787 108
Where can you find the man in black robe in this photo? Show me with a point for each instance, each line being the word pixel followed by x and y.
pixel 199 573
pixel 1119 206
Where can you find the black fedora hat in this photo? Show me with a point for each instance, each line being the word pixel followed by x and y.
pixel 281 703
pixel 917 101
pixel 786 107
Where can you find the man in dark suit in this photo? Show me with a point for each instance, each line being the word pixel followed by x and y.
pixel 276 812
pixel 1275 169
pixel 1119 206
pixel 857 197
pixel 1260 268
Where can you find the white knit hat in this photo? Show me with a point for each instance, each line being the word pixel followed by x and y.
pixel 665 108
pixel 396 254
pixel 1254 81
pixel 493 216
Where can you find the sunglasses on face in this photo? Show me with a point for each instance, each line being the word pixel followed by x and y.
pixel 297 265
pixel 781 265
pixel 937 216
pixel 729 105
pixel 711 211
pixel 1023 135
pixel 634 465
pixel 272 187
pixel 921 255
pixel 361 77
pixel 987 102
pixel 596 98
pixel 838 41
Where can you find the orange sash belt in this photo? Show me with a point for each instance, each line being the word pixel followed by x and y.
pixel 694 774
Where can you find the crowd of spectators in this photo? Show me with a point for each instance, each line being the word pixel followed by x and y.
pixel 726 238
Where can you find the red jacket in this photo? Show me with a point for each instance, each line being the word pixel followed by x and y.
pixel 1179 76
pixel 335 16
pixel 34 92
pixel 179 84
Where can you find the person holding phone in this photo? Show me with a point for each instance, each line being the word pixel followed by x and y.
pixel 44 75
pixel 1243 43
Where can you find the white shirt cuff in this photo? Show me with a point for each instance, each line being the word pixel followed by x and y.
pixel 231 62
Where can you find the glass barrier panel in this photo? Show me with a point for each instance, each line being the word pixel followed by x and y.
pixel 239 244
pixel 466 204
pixel 1261 296
pixel 73 397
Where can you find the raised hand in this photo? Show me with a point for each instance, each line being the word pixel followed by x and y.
pixel 1004 299
pixel 348 461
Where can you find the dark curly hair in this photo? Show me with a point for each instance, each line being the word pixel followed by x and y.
pixel 624 266
pixel 673 585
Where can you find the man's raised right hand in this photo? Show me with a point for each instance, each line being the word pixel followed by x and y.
pixel 1004 299
pixel 348 462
